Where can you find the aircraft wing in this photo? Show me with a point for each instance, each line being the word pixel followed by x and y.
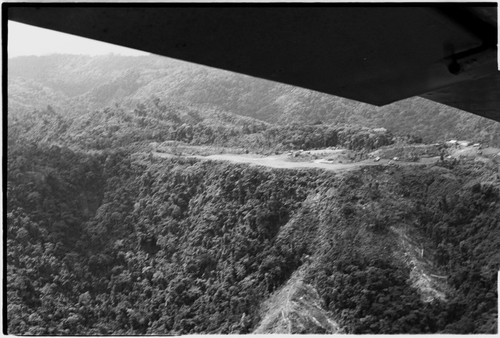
pixel 374 53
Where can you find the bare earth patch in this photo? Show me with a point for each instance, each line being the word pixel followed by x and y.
pixel 424 277
pixel 295 308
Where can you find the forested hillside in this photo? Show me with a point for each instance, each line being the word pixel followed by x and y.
pixel 72 84
pixel 105 236
pixel 121 243
pixel 159 121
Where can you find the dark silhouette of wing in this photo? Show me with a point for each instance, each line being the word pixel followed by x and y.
pixel 372 53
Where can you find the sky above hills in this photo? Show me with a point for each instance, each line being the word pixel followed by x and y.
pixel 30 40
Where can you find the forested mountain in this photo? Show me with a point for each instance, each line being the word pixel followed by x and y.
pixel 156 121
pixel 107 237
pixel 120 243
pixel 72 84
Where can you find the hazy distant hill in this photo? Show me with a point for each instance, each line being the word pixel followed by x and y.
pixel 75 83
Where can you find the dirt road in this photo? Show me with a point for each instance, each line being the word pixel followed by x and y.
pixel 283 162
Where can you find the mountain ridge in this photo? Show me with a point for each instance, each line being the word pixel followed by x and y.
pixel 106 80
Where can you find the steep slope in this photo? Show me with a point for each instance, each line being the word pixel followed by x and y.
pixel 296 308
pixel 183 246
pixel 80 83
